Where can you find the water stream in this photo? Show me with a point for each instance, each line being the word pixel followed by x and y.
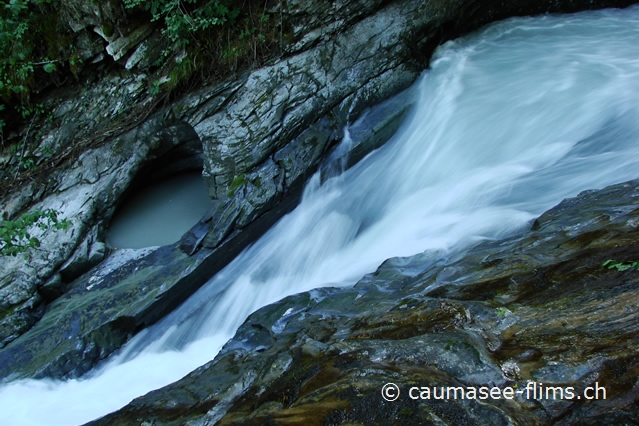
pixel 509 121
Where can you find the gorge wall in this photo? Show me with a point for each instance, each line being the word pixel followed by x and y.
pixel 262 134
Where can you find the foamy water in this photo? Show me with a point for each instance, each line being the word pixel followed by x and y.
pixel 509 122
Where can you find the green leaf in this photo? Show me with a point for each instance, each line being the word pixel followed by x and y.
pixel 14 234
pixel 620 266
pixel 49 68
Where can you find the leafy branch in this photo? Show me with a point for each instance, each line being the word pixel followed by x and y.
pixel 184 18
pixel 620 266
pixel 30 43
pixel 15 235
pixel 208 37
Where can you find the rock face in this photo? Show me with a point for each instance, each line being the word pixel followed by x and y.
pixel 538 308
pixel 86 195
pixel 345 58
pixel 262 134
pixel 89 315
pixel 351 55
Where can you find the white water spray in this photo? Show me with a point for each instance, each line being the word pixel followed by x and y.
pixel 509 122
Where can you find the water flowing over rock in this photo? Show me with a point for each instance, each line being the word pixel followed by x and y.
pixel 262 136
pixel 537 308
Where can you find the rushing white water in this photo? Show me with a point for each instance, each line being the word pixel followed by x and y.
pixel 160 213
pixel 509 122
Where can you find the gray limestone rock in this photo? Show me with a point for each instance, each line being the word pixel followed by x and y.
pixel 53 288
pixel 86 195
pixel 122 45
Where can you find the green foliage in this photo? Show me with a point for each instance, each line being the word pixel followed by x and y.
pixel 620 266
pixel 180 71
pixel 26 27
pixel 155 87
pixel 49 67
pixel 29 110
pixel 15 237
pixel 2 122
pixel 183 18
pixel 32 45
pixel 208 38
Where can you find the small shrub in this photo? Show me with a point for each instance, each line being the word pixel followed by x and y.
pixel 14 234
pixel 209 39
pixel 620 266
pixel 29 42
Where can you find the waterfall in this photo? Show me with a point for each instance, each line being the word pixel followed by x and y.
pixel 510 120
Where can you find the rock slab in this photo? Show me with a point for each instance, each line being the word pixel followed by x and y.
pixel 534 308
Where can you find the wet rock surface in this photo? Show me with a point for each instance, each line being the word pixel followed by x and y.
pixel 262 134
pixel 139 291
pixel 538 307
pixel 99 312
pixel 86 195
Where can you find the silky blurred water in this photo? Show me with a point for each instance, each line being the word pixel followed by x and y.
pixel 509 122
